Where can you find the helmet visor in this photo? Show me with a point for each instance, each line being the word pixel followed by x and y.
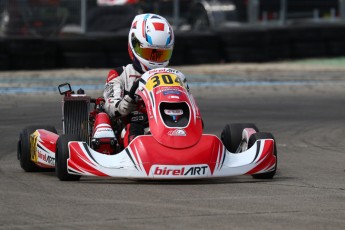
pixel 151 54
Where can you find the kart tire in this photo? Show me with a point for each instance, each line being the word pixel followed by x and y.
pixel 24 147
pixel 62 154
pixel 257 136
pixel 232 135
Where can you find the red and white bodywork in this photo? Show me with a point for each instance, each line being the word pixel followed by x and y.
pixel 176 148
pixel 43 148
pixel 147 158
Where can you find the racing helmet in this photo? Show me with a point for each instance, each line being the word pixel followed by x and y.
pixel 150 42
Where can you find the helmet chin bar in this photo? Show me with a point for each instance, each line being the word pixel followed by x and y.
pixel 144 65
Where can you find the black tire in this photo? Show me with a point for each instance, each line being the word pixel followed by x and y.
pixel 232 135
pixel 24 147
pixel 62 154
pixel 252 140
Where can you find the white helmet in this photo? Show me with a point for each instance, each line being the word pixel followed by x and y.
pixel 150 42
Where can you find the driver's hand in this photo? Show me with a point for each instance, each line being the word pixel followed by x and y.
pixel 126 106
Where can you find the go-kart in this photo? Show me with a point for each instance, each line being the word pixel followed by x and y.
pixel 173 148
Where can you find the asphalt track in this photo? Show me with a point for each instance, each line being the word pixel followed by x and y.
pixel 308 192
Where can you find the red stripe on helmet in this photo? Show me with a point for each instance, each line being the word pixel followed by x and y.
pixel 131 55
pixel 158 26
pixel 143 29
pixel 134 25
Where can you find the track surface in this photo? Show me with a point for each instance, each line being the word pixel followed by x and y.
pixel 308 192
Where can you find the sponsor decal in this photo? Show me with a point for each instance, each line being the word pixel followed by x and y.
pixel 50 160
pixel 172 71
pixel 157 71
pixel 173 112
pixel 176 97
pixel 182 171
pixel 177 133
pixel 137 118
pixel 104 130
pixel 167 89
pixel 33 144
pixel 163 70
pixel 171 92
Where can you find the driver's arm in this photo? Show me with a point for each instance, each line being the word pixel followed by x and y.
pixel 113 94
pixel 116 102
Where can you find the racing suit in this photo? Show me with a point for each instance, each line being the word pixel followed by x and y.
pixel 118 84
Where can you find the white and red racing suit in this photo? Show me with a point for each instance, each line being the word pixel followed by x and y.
pixel 118 84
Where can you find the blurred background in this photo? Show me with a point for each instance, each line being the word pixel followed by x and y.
pixel 51 34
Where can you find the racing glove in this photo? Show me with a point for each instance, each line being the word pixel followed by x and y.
pixel 126 106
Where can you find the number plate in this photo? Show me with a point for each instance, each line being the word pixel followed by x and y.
pixel 163 80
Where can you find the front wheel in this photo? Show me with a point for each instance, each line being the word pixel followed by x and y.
pixel 62 155
pixel 257 136
pixel 232 135
pixel 24 147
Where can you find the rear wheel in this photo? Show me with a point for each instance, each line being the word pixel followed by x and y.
pixel 62 154
pixel 232 135
pixel 24 147
pixel 257 136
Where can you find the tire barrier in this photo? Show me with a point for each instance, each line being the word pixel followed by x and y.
pixel 336 48
pixel 80 53
pixel 243 44
pixel 199 48
pixel 334 41
pixel 278 44
pixel 30 53
pixel 116 49
pixel 306 42
pixel 4 62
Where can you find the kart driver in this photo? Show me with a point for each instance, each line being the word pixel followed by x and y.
pixel 150 45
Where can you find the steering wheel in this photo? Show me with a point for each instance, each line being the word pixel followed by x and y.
pixel 133 90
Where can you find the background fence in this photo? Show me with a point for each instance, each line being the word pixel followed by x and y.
pixel 41 34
